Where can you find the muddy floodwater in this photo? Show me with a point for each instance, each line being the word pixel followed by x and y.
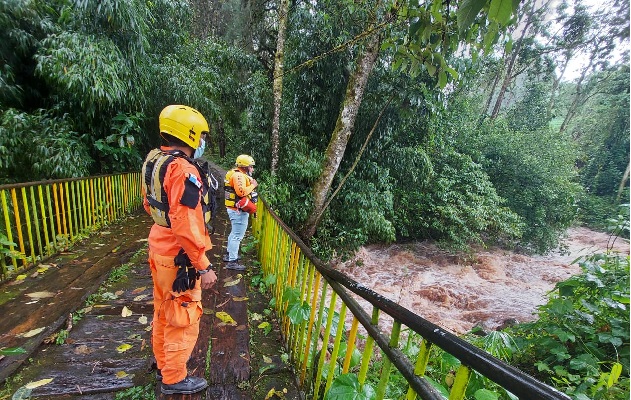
pixel 460 291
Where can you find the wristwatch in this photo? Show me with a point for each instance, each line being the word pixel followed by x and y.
pixel 202 272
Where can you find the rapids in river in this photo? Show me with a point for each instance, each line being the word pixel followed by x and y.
pixel 486 288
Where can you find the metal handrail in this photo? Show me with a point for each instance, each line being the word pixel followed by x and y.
pixel 41 218
pixel 283 253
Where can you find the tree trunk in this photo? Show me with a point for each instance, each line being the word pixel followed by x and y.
pixel 578 94
pixel 342 132
pixel 557 82
pixel 278 81
pixel 509 68
pixel 623 182
pixel 488 102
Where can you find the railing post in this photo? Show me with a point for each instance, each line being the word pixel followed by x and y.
pixel 7 222
pixel 27 218
pixel 40 224
pixel 460 383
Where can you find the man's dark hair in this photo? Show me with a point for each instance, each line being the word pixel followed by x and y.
pixel 172 140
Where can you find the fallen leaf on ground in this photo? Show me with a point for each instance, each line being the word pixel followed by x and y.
pixel 138 290
pixel 226 318
pixel 240 298
pixel 40 295
pixel 229 278
pixel 86 310
pixel 121 374
pixel 33 385
pixel 141 297
pixel 232 283
pixel 82 349
pixel 51 338
pixel 31 333
pixel 20 277
pixel 275 393
pixel 11 351
pixel 126 312
pixel 124 347
pixel 143 320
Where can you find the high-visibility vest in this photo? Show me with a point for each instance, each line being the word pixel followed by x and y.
pixel 153 172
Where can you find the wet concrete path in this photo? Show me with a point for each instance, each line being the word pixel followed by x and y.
pixel 105 352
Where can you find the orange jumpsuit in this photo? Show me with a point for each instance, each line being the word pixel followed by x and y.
pixel 173 345
pixel 240 182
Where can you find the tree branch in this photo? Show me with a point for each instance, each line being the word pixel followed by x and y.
pixel 361 151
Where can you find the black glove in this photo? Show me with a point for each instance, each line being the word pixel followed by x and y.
pixel 193 276
pixel 181 282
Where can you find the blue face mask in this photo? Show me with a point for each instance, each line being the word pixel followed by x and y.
pixel 200 150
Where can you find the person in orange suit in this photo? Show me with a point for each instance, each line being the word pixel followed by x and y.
pixel 173 190
pixel 240 200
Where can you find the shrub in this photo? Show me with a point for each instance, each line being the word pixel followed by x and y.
pixel 580 343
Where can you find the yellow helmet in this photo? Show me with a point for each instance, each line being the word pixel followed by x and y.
pixel 184 123
pixel 244 160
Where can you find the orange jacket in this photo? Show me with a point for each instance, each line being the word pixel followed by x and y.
pixel 240 182
pixel 187 230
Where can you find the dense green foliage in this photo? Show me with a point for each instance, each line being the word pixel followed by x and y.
pixel 82 83
pixel 534 172
pixel 603 133
pixel 581 339
pixel 38 145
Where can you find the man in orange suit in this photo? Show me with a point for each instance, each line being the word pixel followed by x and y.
pixel 174 189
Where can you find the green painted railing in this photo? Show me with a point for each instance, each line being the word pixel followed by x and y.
pixel 38 219
pixel 325 333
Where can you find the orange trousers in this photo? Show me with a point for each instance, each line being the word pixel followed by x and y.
pixel 172 341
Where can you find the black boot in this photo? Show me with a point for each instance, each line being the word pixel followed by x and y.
pixel 188 385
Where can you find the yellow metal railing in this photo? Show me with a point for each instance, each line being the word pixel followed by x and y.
pixel 39 218
pixel 328 333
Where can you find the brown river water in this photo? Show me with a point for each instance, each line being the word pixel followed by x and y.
pixel 460 291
